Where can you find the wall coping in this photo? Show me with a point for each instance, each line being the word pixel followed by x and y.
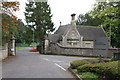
pixel 114 48
pixel 83 48
pixel 71 47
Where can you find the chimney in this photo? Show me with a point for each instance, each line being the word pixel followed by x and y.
pixel 73 22
pixel 73 16
pixel 60 23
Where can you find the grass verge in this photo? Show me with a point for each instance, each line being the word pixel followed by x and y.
pixel 22 47
pixel 88 75
pixel 74 70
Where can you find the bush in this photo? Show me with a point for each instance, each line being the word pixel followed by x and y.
pixel 77 63
pixel 108 69
pixel 22 45
pixel 81 62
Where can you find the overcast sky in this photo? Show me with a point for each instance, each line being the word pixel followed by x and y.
pixel 62 9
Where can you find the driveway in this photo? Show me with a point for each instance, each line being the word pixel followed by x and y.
pixel 33 65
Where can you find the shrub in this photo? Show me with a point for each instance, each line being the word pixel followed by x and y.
pixel 22 45
pixel 113 58
pixel 108 69
pixel 77 63
pixel 81 62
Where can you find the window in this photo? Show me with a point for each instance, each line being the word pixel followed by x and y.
pixel 69 43
pixel 74 44
pixel 88 44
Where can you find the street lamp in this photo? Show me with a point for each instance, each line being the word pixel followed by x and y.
pixel 33 34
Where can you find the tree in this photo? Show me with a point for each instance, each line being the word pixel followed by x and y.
pixel 106 15
pixel 28 13
pixel 24 35
pixel 22 30
pixel 110 14
pixel 9 26
pixel 42 21
pixel 87 19
pixel 38 17
pixel 9 7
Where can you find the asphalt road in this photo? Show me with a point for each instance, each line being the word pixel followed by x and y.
pixel 33 65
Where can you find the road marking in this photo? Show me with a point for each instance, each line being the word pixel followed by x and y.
pixel 57 61
pixel 46 59
pixel 60 66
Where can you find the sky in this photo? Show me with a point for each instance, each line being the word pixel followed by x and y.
pixel 61 10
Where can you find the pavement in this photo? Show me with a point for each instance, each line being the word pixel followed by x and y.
pixel 28 64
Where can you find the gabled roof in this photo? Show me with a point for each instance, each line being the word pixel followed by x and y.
pixel 88 32
pixel 62 30
pixel 54 38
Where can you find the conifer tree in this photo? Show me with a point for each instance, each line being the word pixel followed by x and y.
pixel 38 16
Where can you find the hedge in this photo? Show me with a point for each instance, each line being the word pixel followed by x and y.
pixel 109 69
pixel 76 63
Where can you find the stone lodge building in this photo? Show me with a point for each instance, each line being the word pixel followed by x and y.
pixel 75 39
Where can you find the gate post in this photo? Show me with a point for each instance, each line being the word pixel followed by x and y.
pixel 13 49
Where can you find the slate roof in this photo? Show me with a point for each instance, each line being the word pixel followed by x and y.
pixel 88 32
pixel 54 38
pixel 62 30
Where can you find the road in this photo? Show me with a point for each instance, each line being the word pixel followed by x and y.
pixel 28 64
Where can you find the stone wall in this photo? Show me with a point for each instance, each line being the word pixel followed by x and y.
pixel 3 54
pixel 58 49
pixel 111 51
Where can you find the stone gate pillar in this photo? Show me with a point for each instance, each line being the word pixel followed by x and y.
pixel 13 47
pixel 46 45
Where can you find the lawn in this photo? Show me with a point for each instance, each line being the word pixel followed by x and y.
pixel 22 47
pixel 89 75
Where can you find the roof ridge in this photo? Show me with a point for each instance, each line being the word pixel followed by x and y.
pixel 64 25
pixel 88 26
